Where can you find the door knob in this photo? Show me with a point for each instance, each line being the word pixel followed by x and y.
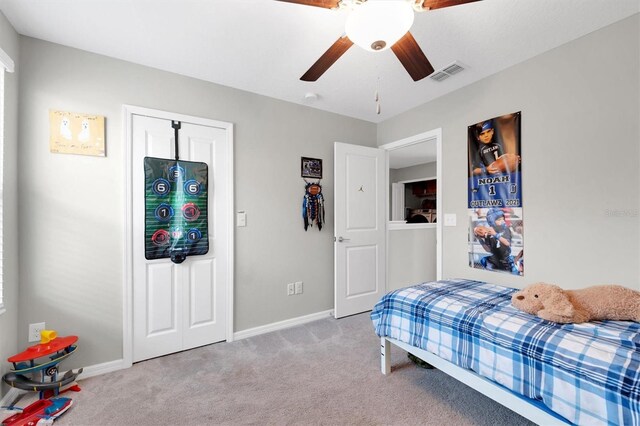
pixel 340 239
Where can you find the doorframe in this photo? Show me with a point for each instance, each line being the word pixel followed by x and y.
pixel 431 135
pixel 128 111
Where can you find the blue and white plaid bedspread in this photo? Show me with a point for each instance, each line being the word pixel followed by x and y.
pixel 588 373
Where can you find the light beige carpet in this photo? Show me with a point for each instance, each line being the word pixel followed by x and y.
pixel 325 372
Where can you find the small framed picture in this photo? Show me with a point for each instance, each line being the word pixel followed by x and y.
pixel 76 133
pixel 311 168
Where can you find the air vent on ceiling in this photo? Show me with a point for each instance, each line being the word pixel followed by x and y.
pixel 446 72
pixel 439 76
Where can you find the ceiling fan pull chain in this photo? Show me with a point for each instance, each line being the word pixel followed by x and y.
pixel 377 96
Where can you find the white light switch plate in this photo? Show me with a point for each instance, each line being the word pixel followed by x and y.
pixel 241 218
pixel 449 219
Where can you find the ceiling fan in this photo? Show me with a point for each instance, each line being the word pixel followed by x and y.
pixel 378 25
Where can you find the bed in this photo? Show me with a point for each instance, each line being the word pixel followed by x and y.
pixel 549 373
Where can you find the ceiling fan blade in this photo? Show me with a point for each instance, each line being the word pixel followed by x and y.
pixel 412 57
pixel 439 4
pixel 329 57
pixel 327 4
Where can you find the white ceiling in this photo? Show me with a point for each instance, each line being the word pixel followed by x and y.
pixel 264 46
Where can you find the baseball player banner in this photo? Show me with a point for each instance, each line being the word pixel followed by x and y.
pixel 496 226
pixel 176 200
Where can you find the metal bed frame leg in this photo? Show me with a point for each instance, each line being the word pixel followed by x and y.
pixel 385 355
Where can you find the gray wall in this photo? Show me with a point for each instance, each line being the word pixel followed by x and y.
pixel 580 149
pixel 411 257
pixel 9 320
pixel 72 206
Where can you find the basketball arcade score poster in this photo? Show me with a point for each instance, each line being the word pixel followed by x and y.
pixel 176 199
pixel 496 225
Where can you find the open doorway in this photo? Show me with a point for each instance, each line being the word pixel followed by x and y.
pixel 414 231
pixel 414 200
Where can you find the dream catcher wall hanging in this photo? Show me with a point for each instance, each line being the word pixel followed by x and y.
pixel 313 201
pixel 313 206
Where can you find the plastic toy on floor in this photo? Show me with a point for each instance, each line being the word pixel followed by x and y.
pixel 36 370
pixel 40 413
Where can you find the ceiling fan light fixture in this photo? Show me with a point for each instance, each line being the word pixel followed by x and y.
pixel 377 25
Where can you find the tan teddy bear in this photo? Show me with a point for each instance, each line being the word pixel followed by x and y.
pixel 604 302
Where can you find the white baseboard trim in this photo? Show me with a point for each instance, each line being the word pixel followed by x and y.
pixel 106 367
pixel 11 396
pixel 91 371
pixel 281 325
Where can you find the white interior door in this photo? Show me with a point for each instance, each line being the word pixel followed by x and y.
pixel 179 306
pixel 360 233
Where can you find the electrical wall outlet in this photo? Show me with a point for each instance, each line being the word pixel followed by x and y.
pixel 34 331
pixel 290 289
pixel 298 287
